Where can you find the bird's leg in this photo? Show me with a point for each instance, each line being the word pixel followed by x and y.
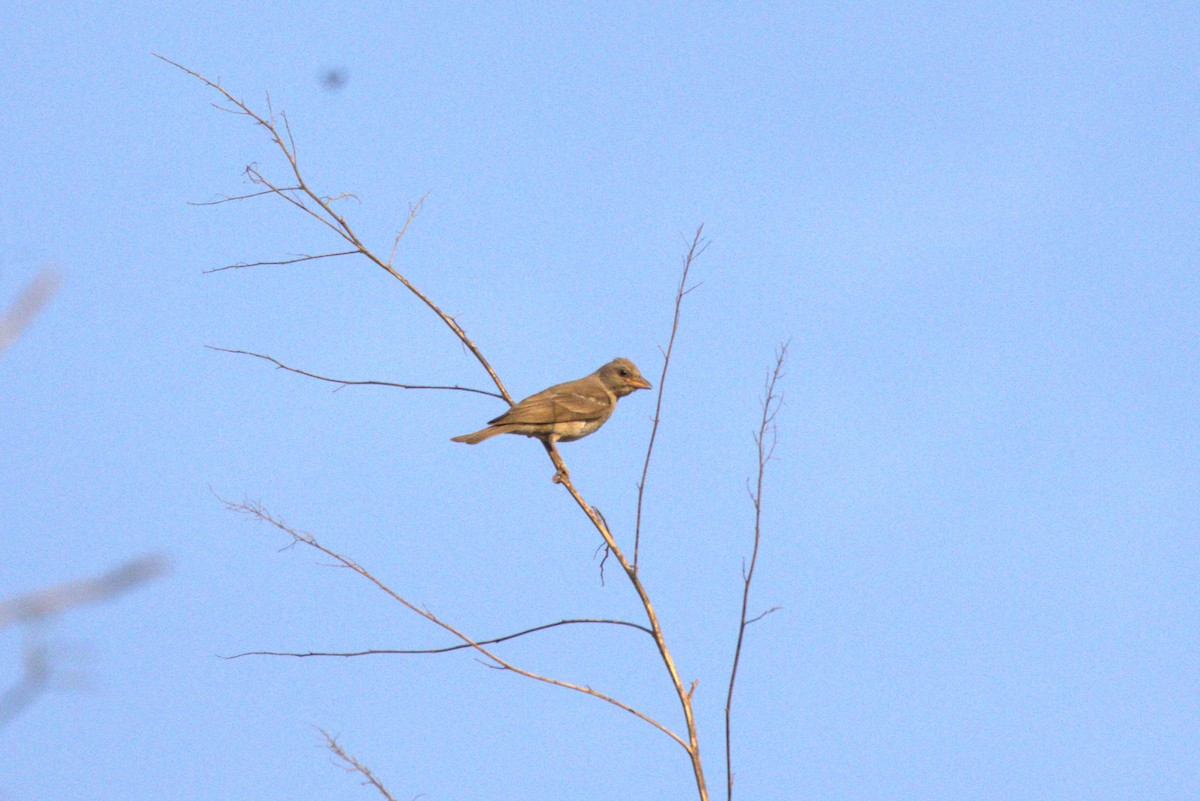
pixel 561 474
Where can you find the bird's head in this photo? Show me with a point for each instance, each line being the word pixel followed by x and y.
pixel 621 376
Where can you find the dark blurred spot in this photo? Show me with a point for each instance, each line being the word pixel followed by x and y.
pixel 334 79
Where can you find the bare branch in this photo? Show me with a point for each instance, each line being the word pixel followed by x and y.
pixel 698 246
pixel 692 746
pixel 562 476
pixel 296 198
pixel 343 196
pixel 352 765
pixel 770 407
pixel 298 259
pixel 325 214
pixel 36 608
pixel 759 617
pixel 36 670
pixel 44 604
pixel 231 198
pixel 348 383
pixel 27 305
pixel 449 648
pixel 257 512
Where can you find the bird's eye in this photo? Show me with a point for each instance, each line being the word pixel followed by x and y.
pixel 623 371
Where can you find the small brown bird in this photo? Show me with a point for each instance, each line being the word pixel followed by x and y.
pixel 567 412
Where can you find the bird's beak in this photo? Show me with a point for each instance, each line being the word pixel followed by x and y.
pixel 637 382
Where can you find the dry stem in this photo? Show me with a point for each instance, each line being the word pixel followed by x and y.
pixel 765 439
pixel 258 512
pixel 698 247
pixel 352 765
pixel 685 696
pixel 322 211
pixel 447 649
pixel 345 382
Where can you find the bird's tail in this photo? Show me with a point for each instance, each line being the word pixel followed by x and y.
pixel 478 436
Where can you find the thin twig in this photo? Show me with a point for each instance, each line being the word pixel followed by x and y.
pixel 698 247
pixel 447 649
pixel 766 450
pixel 763 614
pixel 348 383
pixel 244 264
pixel 232 198
pixel 413 210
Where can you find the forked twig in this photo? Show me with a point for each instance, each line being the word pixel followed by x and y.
pixel 258 512
pixel 685 698
pixel 765 439
pixel 413 210
pixel 698 247
pixel 324 213
pixel 32 610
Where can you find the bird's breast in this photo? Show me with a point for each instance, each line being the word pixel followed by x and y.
pixel 577 429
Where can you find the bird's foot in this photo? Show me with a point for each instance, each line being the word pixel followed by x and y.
pixel 561 476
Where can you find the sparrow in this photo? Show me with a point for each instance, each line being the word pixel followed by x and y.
pixel 566 412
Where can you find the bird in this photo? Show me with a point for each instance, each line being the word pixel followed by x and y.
pixel 569 411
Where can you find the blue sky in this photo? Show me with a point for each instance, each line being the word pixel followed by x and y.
pixel 975 224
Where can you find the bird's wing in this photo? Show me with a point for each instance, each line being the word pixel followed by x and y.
pixel 580 400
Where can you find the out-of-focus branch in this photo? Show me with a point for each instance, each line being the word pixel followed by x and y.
pixel 31 610
pixel 343 382
pixel 43 604
pixel 36 670
pixel 765 439
pixel 27 305
pixel 698 246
